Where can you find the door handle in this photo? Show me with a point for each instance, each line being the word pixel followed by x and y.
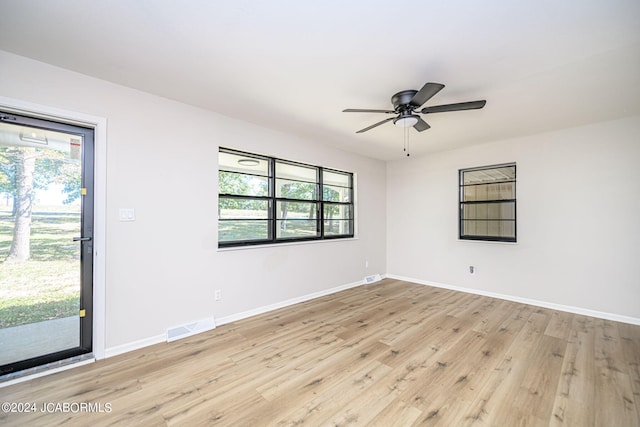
pixel 82 239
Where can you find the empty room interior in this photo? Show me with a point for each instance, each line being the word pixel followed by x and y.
pixel 330 213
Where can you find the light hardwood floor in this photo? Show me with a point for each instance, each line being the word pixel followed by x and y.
pixel 389 354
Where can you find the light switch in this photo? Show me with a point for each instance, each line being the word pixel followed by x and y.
pixel 127 214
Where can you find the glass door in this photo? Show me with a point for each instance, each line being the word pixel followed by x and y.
pixel 46 248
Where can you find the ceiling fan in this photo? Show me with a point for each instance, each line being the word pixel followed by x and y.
pixel 406 107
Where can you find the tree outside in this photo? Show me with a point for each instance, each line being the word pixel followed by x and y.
pixel 296 214
pixel 39 263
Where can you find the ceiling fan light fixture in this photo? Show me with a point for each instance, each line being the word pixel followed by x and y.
pixel 406 121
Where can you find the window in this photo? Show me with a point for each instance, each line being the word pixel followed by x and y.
pixel 488 203
pixel 267 200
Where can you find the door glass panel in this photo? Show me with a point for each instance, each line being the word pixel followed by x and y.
pixel 40 262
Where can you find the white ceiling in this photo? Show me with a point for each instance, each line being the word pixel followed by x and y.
pixel 295 65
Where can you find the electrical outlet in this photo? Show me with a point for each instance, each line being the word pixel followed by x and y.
pixel 217 295
pixel 472 269
pixel 366 264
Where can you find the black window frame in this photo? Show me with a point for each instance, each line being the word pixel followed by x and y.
pixel 463 203
pixel 273 200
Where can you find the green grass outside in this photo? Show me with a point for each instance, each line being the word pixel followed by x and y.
pixel 47 286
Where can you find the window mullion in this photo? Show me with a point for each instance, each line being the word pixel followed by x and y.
pixel 320 203
pixel 272 202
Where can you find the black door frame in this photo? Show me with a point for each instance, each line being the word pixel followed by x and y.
pixel 86 239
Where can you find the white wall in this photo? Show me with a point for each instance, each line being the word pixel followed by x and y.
pixel 162 269
pixel 578 198
pixel 578 210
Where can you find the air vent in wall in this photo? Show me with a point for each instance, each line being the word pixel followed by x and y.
pixel 372 279
pixel 191 329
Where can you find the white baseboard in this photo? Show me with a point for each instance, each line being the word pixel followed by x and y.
pixel 537 303
pixel 286 303
pixel 124 348
pixel 136 345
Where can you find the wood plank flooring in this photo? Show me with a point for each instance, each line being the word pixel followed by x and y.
pixel 389 354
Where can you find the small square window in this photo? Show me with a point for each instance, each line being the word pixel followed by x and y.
pixel 488 203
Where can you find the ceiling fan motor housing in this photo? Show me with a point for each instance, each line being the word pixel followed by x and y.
pixel 402 99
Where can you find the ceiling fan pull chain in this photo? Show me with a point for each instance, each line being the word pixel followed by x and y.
pixel 406 141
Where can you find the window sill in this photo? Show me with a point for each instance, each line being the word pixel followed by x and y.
pixel 278 245
pixel 495 242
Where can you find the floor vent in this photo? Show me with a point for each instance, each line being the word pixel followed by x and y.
pixel 372 279
pixel 190 329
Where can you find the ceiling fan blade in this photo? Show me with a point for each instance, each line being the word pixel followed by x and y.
pixel 421 125
pixel 375 125
pixel 471 105
pixel 426 93
pixel 361 110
